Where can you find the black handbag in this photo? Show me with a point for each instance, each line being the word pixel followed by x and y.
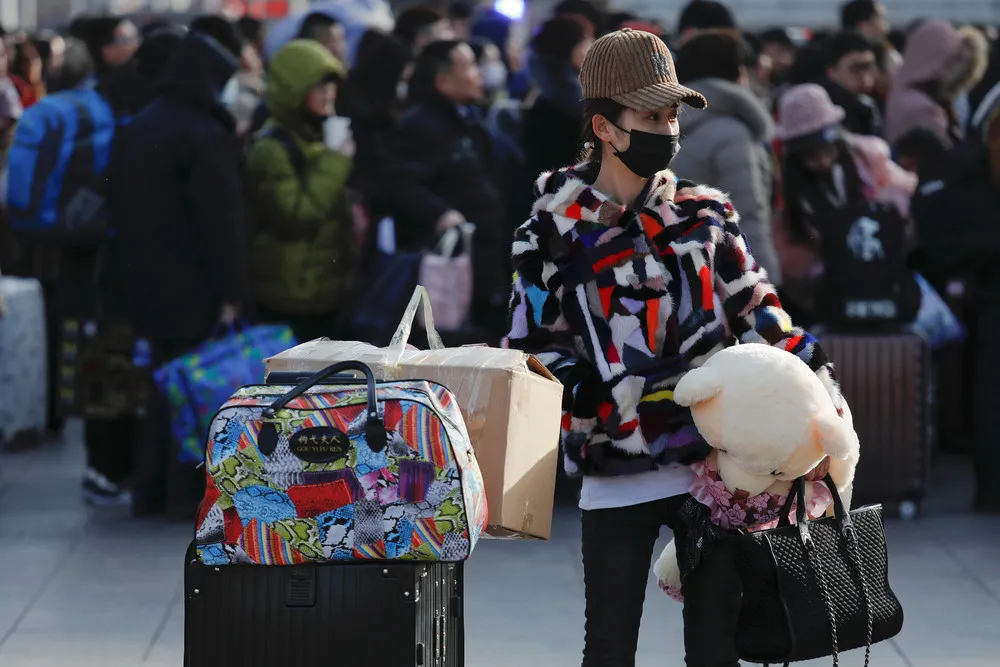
pixel 816 588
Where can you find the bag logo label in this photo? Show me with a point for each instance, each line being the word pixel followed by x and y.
pixel 321 444
pixel 862 241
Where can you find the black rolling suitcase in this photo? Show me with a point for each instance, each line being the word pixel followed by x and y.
pixel 391 614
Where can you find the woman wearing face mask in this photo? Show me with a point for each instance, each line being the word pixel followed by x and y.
pixel 303 243
pixel 825 171
pixel 626 278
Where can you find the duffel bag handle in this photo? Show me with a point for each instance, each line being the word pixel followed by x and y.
pixel 374 429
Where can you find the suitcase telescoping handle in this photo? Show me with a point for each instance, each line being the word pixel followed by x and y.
pixel 374 429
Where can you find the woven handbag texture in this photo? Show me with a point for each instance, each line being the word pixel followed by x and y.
pixel 270 502
pixel 785 617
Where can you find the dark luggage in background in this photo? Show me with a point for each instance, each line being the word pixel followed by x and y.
pixel 866 281
pixel 390 614
pixel 886 380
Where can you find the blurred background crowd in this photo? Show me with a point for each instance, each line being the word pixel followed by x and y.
pixel 266 167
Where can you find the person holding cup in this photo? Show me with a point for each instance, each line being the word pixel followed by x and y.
pixel 303 248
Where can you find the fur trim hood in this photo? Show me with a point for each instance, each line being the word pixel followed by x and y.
pixel 726 98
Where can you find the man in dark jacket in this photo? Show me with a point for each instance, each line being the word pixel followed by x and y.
pixel 178 207
pixel 851 71
pixel 443 173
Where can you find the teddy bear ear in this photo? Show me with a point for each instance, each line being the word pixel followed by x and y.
pixel 836 436
pixel 697 386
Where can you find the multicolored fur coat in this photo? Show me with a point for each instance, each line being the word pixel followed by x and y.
pixel 619 304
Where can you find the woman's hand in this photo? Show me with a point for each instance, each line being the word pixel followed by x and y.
pixel 820 471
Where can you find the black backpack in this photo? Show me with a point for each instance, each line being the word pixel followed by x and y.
pixel 866 283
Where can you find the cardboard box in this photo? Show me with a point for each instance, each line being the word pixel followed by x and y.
pixel 512 408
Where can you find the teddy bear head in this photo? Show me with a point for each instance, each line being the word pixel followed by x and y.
pixel 767 414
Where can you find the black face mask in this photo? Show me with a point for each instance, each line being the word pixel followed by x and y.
pixel 648 153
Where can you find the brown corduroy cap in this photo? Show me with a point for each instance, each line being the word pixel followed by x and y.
pixel 634 68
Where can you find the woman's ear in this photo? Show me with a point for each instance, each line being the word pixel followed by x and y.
pixel 602 128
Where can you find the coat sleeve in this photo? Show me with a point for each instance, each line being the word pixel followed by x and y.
pixel 539 327
pixel 751 305
pixel 215 194
pixel 737 164
pixel 296 204
pixel 414 151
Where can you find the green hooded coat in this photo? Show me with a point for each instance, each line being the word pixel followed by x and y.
pixel 303 249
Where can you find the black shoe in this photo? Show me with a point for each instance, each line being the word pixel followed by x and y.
pixel 987 502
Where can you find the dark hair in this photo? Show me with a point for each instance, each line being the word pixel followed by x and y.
pixel 809 65
pixel 777 36
pixel 435 59
pixel 221 30
pixel 714 55
pixel 252 29
pixel 923 144
pixel 370 90
pixel 461 10
pixel 615 20
pixel 131 87
pixel 897 38
pixel 856 12
pixel 96 32
pixel 412 21
pixel 77 66
pixel 704 14
pixel 156 25
pixel 557 38
pixel 599 106
pixel 583 8
pixel 314 25
pixel 843 43
pixel 800 184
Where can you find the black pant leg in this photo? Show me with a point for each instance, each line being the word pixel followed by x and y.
pixel 712 598
pixel 617 551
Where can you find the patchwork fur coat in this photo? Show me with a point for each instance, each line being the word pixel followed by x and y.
pixel 620 302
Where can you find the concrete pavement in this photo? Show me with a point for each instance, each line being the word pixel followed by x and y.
pixel 87 588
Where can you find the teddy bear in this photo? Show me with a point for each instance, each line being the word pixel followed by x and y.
pixel 769 420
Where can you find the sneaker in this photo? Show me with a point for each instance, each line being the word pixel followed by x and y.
pixel 99 492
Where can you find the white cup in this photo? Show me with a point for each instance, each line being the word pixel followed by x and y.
pixel 335 132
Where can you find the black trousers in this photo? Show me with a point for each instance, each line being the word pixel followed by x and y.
pixel 617 552
pixel 164 485
pixel 110 444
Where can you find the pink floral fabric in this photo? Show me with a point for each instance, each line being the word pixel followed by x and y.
pixel 736 510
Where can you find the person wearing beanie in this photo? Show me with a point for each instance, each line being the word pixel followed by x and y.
pixel 940 65
pixel 826 170
pixel 701 15
pixel 726 145
pixel 303 250
pixel 625 277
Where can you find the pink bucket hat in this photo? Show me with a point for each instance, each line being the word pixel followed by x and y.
pixel 806 110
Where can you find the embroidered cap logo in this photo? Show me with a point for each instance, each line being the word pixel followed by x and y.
pixel 660 64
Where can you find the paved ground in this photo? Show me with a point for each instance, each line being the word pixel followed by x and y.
pixel 98 589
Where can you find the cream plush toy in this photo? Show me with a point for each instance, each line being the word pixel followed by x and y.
pixel 769 420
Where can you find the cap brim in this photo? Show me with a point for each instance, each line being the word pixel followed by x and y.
pixel 661 95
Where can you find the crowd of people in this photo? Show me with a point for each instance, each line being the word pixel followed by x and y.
pixel 251 184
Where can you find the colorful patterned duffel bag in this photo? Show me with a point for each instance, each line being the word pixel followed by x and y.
pixel 338 470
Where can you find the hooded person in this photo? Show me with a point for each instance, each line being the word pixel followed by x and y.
pixel 940 64
pixel 177 200
pixel 303 247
